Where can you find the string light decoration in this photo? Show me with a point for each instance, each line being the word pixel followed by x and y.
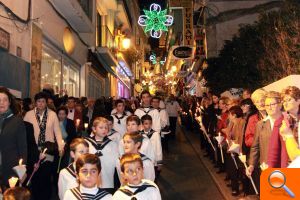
pixel 155 20
pixel 152 58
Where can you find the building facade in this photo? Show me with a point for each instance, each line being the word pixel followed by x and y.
pixel 71 46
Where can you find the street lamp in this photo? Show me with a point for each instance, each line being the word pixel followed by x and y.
pixel 126 43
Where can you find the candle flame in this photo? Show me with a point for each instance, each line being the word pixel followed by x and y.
pixel 20 161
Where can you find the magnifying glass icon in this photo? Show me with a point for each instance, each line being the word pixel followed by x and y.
pixel 277 180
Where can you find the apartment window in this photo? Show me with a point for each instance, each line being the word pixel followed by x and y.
pixel 87 6
pixel 99 30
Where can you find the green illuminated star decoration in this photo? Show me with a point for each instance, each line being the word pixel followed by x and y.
pixel 155 20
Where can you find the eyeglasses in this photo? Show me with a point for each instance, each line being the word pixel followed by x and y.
pixel 271 105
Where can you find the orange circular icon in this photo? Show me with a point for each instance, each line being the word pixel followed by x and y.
pixel 277 179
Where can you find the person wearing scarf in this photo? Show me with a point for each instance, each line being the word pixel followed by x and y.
pixel 13 145
pixel 47 134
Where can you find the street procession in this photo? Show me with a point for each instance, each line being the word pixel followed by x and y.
pixel 149 99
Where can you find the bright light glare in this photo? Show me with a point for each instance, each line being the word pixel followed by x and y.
pixel 126 43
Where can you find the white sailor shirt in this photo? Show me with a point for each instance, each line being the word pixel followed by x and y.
pixel 114 136
pixel 83 193
pixel 145 149
pixel 155 140
pixel 147 190
pixel 114 111
pixel 67 180
pixel 140 112
pixel 107 151
pixel 149 172
pixel 120 122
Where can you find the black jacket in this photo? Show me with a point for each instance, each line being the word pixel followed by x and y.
pixel 32 148
pixel 71 131
pixel 13 146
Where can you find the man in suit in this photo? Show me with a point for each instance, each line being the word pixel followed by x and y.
pixel 71 108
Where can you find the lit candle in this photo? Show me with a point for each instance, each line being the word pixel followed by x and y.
pixel 86 125
pixel 20 161
pixel 20 169
pixel 12 182
pixel 264 166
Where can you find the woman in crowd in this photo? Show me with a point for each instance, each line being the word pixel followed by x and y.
pixel 68 132
pixel 47 135
pixel 251 119
pixel 290 127
pixel 13 146
pixel 236 136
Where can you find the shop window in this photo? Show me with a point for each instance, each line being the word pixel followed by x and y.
pixel 51 72
pixel 52 75
pixel 71 80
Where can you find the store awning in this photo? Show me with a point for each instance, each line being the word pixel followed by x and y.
pixel 107 59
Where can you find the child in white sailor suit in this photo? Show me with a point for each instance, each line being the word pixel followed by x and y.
pixel 112 133
pixel 106 150
pixel 133 125
pixel 132 144
pixel 164 121
pixel 67 176
pixel 88 168
pixel 154 139
pixel 147 109
pixel 120 116
pixel 136 187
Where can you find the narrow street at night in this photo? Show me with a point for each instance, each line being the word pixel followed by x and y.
pixel 184 177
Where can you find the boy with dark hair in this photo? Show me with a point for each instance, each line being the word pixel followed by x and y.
pixel 135 186
pixel 154 138
pixel 112 133
pixel 132 144
pixel 146 108
pixel 88 168
pixel 120 115
pixel 133 125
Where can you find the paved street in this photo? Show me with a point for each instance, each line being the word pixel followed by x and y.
pixel 184 176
